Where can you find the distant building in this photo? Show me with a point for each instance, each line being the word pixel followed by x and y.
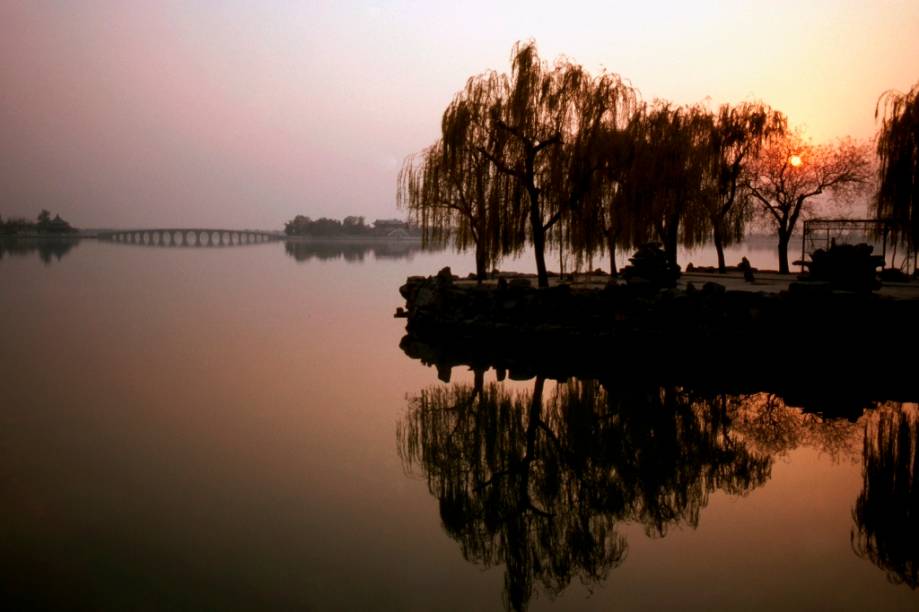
pixel 388 225
pixel 395 228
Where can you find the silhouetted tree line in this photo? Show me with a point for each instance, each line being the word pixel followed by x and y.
pixel 44 224
pixel 350 226
pixel 551 155
pixel 539 481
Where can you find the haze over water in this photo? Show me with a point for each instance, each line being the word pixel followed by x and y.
pixel 219 429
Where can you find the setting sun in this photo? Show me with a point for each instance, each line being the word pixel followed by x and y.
pixel 795 160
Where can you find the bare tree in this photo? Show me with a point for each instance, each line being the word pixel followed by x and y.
pixel 789 173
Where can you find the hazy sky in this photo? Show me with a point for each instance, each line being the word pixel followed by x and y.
pixel 242 114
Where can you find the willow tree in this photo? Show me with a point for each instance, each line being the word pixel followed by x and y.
pixel 738 133
pixel 540 481
pixel 542 126
pixel 504 489
pixel 518 154
pixel 531 119
pixel 898 153
pixel 789 173
pixel 452 191
pixel 590 165
pixel 886 526
pixel 668 185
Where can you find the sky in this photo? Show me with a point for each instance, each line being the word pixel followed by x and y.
pixel 233 114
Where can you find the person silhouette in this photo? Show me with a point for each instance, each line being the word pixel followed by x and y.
pixel 747 269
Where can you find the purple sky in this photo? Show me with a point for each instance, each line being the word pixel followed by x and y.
pixel 242 114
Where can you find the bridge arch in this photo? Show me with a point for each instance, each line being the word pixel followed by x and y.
pixel 189 237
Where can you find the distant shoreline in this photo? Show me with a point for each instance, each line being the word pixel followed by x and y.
pixel 353 238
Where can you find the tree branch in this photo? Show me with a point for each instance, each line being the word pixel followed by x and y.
pixel 499 164
pixel 554 139
pixel 766 204
pixel 552 220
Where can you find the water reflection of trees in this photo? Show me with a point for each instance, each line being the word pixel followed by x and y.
pixel 48 249
pixel 540 480
pixel 775 428
pixel 886 512
pixel 351 251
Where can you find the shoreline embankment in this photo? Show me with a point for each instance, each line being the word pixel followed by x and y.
pixel 791 337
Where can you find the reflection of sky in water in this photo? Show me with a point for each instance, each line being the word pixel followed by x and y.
pixel 195 428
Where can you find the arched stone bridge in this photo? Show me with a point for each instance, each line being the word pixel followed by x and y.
pixel 188 237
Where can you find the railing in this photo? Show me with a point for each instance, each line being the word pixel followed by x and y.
pixel 880 233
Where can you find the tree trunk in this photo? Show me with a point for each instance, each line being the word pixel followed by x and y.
pixel 539 239
pixel 670 242
pixel 719 248
pixel 611 245
pixel 534 417
pixel 480 271
pixel 784 238
pixel 539 250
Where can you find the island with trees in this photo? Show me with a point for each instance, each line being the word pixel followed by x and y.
pixel 553 159
pixel 44 225
pixel 50 237
pixel 351 227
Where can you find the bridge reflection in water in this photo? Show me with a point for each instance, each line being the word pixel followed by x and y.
pixel 189 237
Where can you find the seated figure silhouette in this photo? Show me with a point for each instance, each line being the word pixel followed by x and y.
pixel 747 270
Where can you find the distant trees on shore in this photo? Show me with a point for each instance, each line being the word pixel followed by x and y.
pixel 348 227
pixel 550 155
pixel 44 224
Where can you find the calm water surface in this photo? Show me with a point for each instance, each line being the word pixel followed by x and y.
pixel 236 428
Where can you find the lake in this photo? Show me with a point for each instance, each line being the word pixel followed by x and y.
pixel 237 428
